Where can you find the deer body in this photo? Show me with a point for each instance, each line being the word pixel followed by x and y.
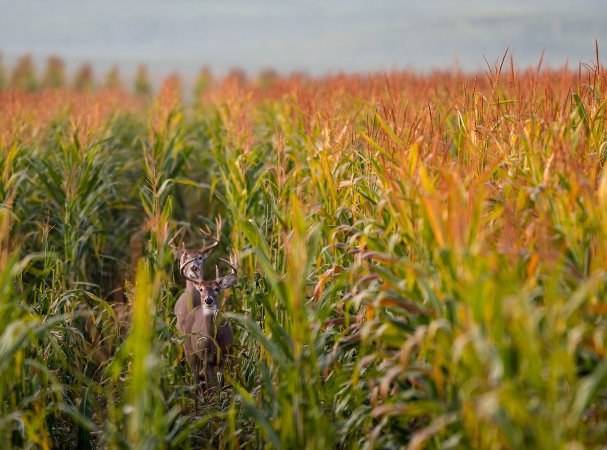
pixel 187 301
pixel 208 336
pixel 190 267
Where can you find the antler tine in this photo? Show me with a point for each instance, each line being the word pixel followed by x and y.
pixel 173 246
pixel 217 277
pixel 214 238
pixel 218 225
pixel 182 271
pixel 229 263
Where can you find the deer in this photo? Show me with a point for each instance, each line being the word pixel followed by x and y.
pixel 207 334
pixel 191 261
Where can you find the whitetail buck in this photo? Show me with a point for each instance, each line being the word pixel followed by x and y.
pixel 191 261
pixel 207 334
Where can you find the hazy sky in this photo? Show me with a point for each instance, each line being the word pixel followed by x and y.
pixel 317 36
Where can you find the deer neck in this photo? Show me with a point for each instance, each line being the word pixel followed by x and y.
pixel 210 312
pixel 214 321
pixel 207 322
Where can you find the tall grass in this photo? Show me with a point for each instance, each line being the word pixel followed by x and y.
pixel 422 263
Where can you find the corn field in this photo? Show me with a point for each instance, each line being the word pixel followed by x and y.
pixel 423 262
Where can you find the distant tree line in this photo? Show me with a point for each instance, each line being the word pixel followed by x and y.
pixel 24 76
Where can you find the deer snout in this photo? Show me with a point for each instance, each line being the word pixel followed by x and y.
pixel 209 300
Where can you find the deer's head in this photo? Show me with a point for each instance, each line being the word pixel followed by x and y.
pixel 190 260
pixel 209 290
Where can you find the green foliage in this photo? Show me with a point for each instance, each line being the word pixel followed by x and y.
pixel 143 86
pixel 54 77
pixel 24 74
pixel 112 79
pixel 203 83
pixel 84 80
pixel 3 77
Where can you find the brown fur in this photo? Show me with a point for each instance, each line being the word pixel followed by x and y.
pixel 206 343
pixel 206 334
pixel 190 260
pixel 187 301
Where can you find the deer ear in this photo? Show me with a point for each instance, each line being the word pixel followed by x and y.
pixel 227 281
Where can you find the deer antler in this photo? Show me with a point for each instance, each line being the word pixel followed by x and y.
pixel 229 263
pixel 182 270
pixel 173 246
pixel 207 232
pixel 218 279
pixel 204 282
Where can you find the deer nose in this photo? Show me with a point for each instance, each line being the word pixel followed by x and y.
pixel 209 300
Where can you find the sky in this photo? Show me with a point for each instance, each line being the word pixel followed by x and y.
pixel 315 36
